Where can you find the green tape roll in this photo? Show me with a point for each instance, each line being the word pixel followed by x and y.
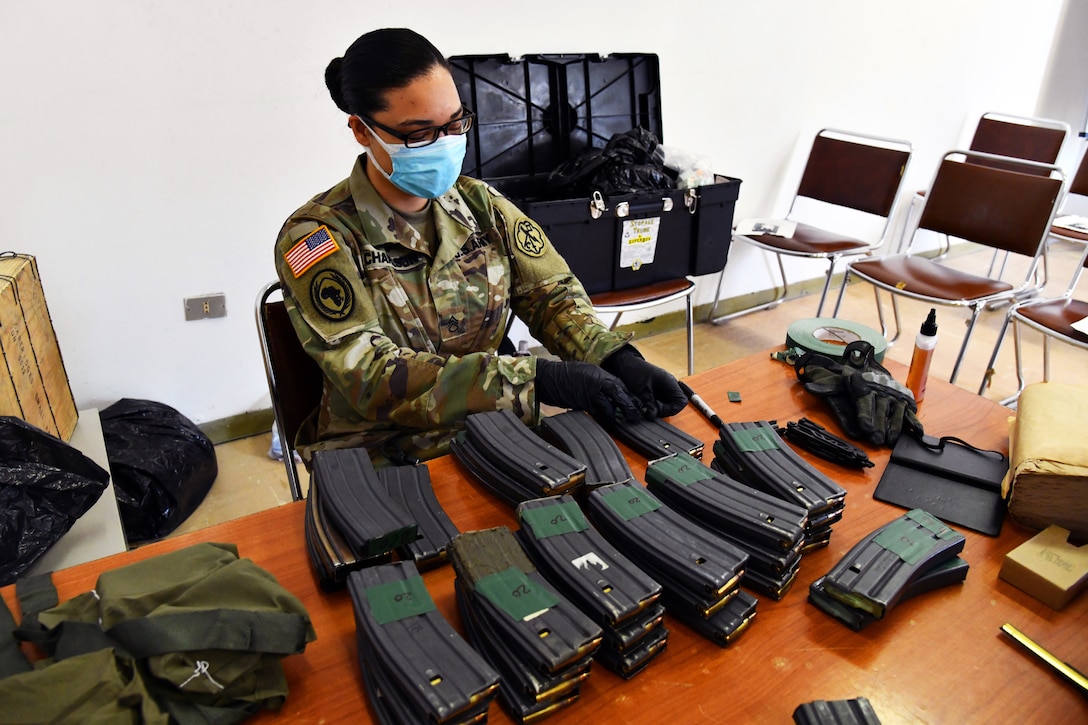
pixel 830 336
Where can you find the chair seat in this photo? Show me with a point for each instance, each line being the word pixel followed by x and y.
pixel 1067 233
pixel 920 276
pixel 809 240
pixel 649 295
pixel 644 295
pixel 1057 315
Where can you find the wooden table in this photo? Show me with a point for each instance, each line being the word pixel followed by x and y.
pixel 937 658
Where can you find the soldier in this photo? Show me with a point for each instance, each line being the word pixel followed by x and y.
pixel 399 280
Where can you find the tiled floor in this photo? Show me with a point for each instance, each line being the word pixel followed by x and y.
pixel 250 481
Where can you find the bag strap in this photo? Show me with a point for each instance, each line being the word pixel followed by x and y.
pixel 12 660
pixel 226 629
pixel 35 594
pixel 940 444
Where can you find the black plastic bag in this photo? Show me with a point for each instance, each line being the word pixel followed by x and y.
pixel 45 485
pixel 630 162
pixel 162 465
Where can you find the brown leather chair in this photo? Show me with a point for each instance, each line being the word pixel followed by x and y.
pixel 851 171
pixel 294 380
pixel 1019 137
pixel 986 203
pixel 1061 228
pixel 1071 227
pixel 1053 317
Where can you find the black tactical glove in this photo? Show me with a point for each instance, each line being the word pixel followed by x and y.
pixel 885 407
pixel 654 389
pixel 584 386
pixel 868 402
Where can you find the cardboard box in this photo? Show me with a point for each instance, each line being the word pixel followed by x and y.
pixel 1048 567
pixel 33 383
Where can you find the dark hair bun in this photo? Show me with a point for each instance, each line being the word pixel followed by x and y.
pixel 333 83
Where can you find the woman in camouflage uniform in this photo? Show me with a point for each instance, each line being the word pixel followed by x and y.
pixel 399 280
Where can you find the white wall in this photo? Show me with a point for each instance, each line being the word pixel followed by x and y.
pixel 149 150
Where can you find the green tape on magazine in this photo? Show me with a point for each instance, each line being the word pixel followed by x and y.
pixel 515 593
pixel 562 517
pixel 630 502
pixel 755 439
pixel 905 539
pixel 681 468
pixel 398 600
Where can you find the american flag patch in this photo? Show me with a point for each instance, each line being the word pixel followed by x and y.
pixel 310 250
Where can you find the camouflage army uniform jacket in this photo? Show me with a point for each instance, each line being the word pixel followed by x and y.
pixel 407 331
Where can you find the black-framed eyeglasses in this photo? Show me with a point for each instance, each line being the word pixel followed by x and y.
pixel 427 136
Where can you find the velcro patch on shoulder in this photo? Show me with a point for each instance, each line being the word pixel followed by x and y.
pixel 310 250
pixel 529 238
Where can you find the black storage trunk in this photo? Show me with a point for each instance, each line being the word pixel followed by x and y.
pixel 537 111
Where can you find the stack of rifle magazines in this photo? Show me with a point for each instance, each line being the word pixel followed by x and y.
pixel 579 435
pixel 769 529
pixel 654 438
pixel 411 487
pixel 416 667
pixel 601 581
pixel 910 555
pixel 342 479
pixel 698 570
pixel 754 453
pixel 509 459
pixel 358 517
pixel 541 644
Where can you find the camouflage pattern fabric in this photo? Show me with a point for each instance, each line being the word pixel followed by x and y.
pixel 407 329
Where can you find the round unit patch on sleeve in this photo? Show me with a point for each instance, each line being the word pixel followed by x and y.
pixel 331 294
pixel 530 238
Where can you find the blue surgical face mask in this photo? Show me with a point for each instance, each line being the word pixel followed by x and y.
pixel 426 171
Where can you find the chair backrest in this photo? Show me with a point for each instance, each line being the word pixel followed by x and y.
pixel 294 380
pixel 1021 137
pixel 1079 184
pixel 855 170
pixel 996 207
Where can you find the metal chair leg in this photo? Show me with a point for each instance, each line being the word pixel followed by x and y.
pixel 691 336
pixel 1046 358
pixel 832 261
pixel 987 376
pixel 907 223
pixel 842 291
pixel 895 316
pixel 765 306
pixel 1020 382
pixel 976 312
pixel 717 296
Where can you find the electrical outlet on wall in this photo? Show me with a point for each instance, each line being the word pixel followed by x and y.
pixel 206 306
